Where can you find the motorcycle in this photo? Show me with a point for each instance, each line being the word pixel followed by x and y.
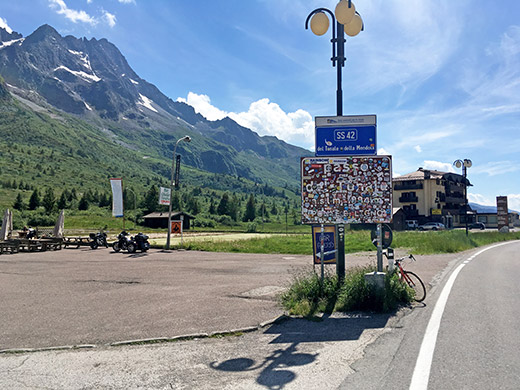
pixel 98 239
pixel 141 242
pixel 124 242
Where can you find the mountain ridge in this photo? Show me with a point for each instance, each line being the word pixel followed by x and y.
pixel 92 80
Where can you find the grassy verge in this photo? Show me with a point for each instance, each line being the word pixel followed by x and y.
pixel 307 296
pixel 359 241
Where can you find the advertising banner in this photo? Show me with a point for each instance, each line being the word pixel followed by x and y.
pixel 354 189
pixel 164 196
pixel 117 197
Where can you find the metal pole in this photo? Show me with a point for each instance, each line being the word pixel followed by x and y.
pixel 379 248
pixel 322 250
pixel 465 199
pixel 171 191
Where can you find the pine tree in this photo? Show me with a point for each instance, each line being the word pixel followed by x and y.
pixel 62 202
pixel 18 203
pixel 83 203
pixel 49 200
pixel 223 206
pixel 250 213
pixel 34 200
pixel 151 199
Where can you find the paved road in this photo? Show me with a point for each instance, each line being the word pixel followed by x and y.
pixel 473 344
pixel 82 296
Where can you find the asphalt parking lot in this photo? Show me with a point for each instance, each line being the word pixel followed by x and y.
pixel 97 297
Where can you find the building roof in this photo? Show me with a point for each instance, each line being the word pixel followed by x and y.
pixel 165 215
pixel 430 174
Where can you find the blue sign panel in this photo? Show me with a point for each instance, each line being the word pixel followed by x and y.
pixel 329 244
pixel 347 140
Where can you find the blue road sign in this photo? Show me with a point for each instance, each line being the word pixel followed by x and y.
pixel 346 135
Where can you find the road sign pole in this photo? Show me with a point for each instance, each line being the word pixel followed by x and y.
pixel 340 264
pixel 322 255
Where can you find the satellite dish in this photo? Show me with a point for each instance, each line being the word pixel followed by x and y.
pixel 458 163
pixel 468 163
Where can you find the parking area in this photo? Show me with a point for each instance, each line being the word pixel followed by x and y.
pixel 84 296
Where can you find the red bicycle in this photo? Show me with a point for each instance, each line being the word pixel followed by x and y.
pixel 411 279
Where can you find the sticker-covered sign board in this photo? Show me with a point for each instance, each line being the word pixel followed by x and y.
pixel 354 189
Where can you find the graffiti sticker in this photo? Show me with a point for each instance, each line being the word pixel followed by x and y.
pixel 355 189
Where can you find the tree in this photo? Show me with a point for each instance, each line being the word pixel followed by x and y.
pixel 49 200
pixel 151 199
pixel 212 209
pixel 18 203
pixel 193 205
pixel 34 200
pixel 62 202
pixel 223 206
pixel 176 201
pixel 83 203
pixel 250 213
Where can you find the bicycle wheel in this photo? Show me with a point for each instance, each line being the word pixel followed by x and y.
pixel 417 284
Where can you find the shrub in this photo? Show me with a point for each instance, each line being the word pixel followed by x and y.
pixel 306 296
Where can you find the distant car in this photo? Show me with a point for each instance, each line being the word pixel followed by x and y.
pixel 477 225
pixel 432 226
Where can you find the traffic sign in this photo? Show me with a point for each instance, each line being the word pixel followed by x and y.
pixel 346 135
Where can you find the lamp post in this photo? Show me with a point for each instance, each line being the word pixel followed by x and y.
pixel 345 20
pixel 186 138
pixel 465 164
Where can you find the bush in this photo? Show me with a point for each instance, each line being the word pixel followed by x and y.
pixel 251 227
pixel 306 296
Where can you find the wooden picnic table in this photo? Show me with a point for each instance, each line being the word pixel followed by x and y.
pixel 76 241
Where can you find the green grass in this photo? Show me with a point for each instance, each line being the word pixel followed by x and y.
pixel 307 296
pixel 359 241
pixel 448 241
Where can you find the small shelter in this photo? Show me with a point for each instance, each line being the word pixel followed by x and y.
pixel 160 220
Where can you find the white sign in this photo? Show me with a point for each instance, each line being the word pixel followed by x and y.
pixel 164 196
pixel 117 197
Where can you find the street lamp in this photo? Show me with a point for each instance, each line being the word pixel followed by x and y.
pixel 186 138
pixel 347 21
pixel 465 164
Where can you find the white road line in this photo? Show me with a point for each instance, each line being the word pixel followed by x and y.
pixel 421 373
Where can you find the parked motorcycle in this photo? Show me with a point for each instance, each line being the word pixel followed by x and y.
pixel 98 239
pixel 124 242
pixel 141 242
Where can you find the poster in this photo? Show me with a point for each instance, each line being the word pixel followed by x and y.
pixel 164 196
pixel 329 244
pixel 354 189
pixel 117 197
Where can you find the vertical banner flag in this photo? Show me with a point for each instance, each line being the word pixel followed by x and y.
pixel 117 197
pixel 164 196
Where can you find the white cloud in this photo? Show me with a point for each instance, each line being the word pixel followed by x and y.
pixel 127 1
pixel 3 24
pixel 438 166
pixel 513 201
pixel 497 168
pixel 481 199
pixel 110 18
pixel 418 148
pixel 263 117
pixel 71 14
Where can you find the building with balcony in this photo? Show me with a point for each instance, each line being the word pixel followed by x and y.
pixel 433 196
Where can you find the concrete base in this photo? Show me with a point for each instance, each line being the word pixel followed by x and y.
pixel 376 279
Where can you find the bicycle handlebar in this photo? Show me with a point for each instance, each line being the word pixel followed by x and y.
pixel 410 256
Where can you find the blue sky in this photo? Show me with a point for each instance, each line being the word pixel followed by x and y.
pixel 443 77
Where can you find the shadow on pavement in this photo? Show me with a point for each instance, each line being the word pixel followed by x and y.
pixel 274 372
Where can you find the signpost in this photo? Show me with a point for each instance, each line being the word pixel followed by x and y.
pixel 346 135
pixel 502 212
